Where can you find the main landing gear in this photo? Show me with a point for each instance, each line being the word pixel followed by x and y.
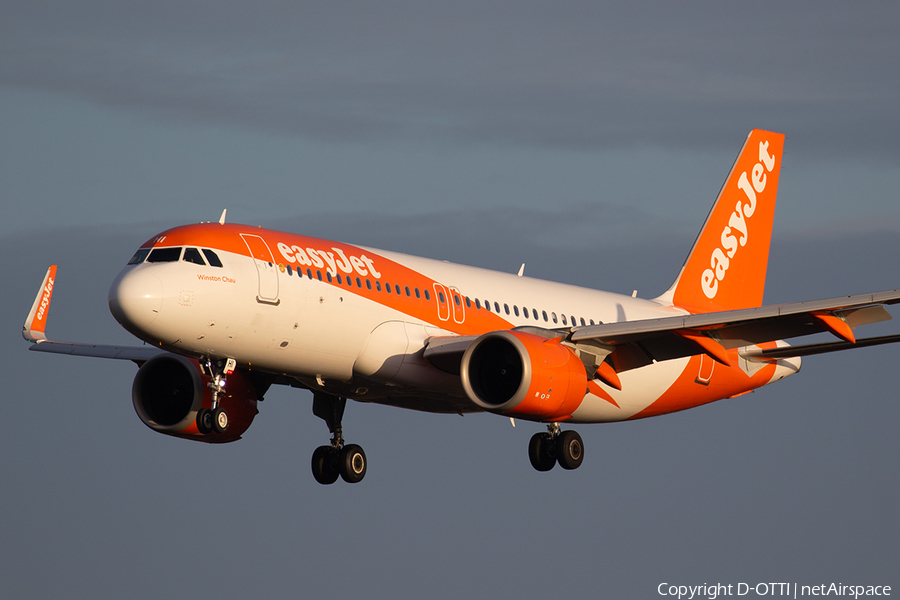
pixel 348 461
pixel 215 419
pixel 564 447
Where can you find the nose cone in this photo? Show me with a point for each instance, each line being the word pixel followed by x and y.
pixel 135 299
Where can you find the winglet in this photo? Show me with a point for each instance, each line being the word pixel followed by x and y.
pixel 36 322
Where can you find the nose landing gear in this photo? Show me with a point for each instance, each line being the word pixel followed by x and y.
pixel 328 462
pixel 564 447
pixel 215 419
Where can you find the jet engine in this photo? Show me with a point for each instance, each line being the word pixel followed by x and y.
pixel 169 389
pixel 524 375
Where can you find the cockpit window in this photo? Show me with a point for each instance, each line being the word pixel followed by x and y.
pixel 192 255
pixel 139 256
pixel 212 258
pixel 164 255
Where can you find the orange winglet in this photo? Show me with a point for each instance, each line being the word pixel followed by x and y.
pixel 608 375
pixel 710 347
pixel 836 325
pixel 36 322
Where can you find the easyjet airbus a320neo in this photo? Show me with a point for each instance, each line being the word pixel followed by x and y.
pixel 228 310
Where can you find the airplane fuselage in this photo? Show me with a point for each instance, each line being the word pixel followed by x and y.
pixel 355 321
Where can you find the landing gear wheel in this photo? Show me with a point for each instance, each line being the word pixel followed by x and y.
pixel 220 420
pixel 539 452
pixel 324 468
pixel 353 463
pixel 204 421
pixel 569 449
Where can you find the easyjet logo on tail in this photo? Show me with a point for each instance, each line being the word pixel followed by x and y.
pixel 736 233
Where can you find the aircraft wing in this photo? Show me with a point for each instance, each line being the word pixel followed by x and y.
pixel 138 354
pixel 636 343
pixel 633 344
pixel 35 326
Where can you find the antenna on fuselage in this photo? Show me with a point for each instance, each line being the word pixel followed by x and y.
pixel 222 218
pixel 521 270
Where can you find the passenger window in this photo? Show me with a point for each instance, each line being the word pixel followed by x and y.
pixel 289 270
pixel 468 302
pixel 369 284
pixel 427 295
pixel 592 321
pixel 582 322
pixel 418 295
pixel 441 296
pixel 397 288
pixel 139 256
pixel 387 288
pixel 328 276
pixel 359 284
pixel 506 308
pixel 525 312
pixel 515 310
pixel 378 285
pixel 164 255
pixel 553 316
pixel 407 291
pixel 497 308
pixel 564 319
pixel 456 300
pixel 544 314
pixel 477 303
pixel 339 280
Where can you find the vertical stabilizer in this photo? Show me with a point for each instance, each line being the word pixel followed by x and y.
pixel 726 268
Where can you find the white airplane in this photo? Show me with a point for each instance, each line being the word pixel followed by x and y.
pixel 228 310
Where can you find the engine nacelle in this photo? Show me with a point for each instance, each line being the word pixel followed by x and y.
pixel 520 374
pixel 169 389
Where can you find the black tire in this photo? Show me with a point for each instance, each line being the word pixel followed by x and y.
pixel 323 467
pixel 569 450
pixel 204 421
pixel 540 452
pixel 353 463
pixel 220 420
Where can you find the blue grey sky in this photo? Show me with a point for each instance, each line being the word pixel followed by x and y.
pixel 586 139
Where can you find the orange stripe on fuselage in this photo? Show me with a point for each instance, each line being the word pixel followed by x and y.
pixel 339 258
pixel 688 392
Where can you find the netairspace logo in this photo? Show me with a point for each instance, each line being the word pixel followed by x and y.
pixel 790 590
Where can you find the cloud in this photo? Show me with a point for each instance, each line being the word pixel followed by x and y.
pixel 587 75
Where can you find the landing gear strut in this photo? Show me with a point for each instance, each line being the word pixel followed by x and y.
pixel 328 462
pixel 215 419
pixel 564 447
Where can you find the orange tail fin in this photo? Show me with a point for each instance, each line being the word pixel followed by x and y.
pixel 726 268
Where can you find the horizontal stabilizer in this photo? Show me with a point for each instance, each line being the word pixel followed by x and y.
pixel 811 349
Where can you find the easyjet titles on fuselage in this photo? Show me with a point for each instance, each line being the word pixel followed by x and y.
pixel 311 257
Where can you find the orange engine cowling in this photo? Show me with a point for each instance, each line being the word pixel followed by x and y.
pixel 520 374
pixel 169 389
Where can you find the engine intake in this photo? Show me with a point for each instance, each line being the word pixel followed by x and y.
pixel 521 374
pixel 169 389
